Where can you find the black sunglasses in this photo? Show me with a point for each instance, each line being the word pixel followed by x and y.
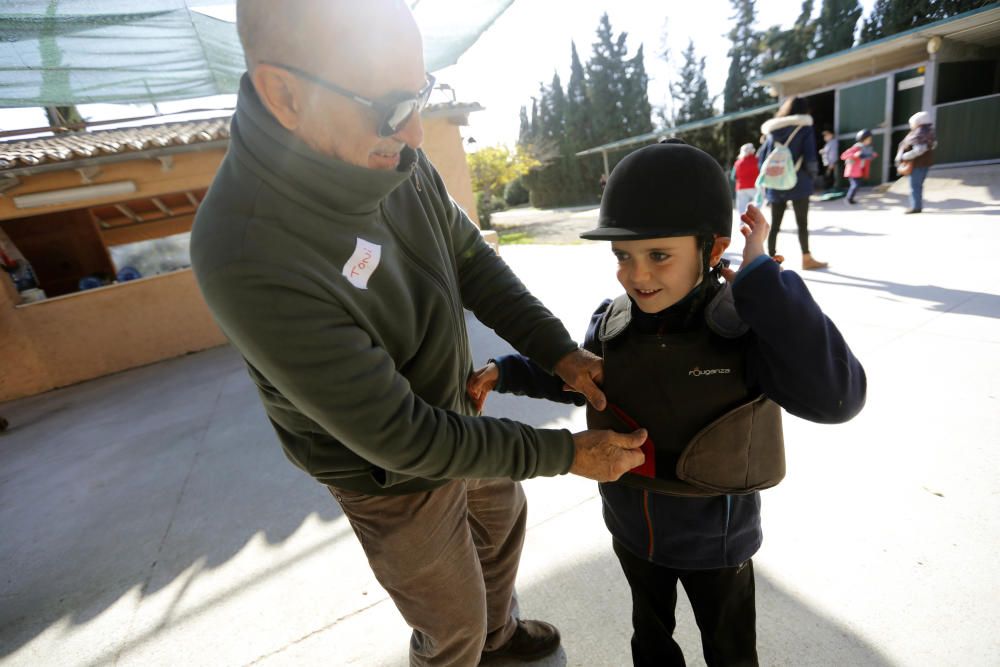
pixel 394 110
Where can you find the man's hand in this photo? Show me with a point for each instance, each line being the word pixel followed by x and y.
pixel 605 455
pixel 754 229
pixel 481 382
pixel 582 372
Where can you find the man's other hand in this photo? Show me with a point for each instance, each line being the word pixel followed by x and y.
pixel 605 455
pixel 481 382
pixel 582 372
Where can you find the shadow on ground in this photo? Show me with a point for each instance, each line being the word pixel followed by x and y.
pixel 869 199
pixel 127 482
pixel 133 481
pixel 587 597
pixel 943 299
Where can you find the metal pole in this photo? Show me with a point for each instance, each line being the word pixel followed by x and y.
pixel 890 103
pixel 930 86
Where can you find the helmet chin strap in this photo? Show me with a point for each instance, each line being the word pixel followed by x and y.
pixel 709 280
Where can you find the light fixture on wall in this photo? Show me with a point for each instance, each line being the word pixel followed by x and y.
pixel 68 195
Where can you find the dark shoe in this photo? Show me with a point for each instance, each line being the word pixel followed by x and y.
pixel 912 210
pixel 532 640
pixel 851 201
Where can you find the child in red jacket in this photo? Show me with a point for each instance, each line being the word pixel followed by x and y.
pixel 746 172
pixel 859 162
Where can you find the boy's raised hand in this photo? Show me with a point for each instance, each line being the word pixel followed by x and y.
pixel 755 229
pixel 481 382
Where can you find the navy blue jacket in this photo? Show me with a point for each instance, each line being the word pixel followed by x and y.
pixel 802 145
pixel 796 356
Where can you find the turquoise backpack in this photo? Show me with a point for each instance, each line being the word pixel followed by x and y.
pixel 779 171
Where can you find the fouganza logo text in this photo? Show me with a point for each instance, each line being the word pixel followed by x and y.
pixel 697 372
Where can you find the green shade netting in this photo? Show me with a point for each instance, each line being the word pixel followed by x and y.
pixel 67 52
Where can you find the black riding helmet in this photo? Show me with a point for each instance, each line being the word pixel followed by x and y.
pixel 668 189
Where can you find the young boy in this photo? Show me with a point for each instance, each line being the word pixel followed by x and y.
pixel 858 159
pixel 701 356
pixel 828 155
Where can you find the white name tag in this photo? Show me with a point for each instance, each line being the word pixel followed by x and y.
pixel 362 264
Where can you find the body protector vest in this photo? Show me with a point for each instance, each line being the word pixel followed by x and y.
pixel 708 434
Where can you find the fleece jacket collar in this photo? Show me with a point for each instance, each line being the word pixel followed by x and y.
pixel 773 124
pixel 286 163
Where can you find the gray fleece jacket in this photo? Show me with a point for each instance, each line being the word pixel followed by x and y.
pixel 344 288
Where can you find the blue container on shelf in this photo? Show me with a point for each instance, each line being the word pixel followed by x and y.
pixel 127 273
pixel 89 282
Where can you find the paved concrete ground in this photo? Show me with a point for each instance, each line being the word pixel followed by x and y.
pixel 149 518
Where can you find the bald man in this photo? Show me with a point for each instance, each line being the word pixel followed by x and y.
pixel 331 255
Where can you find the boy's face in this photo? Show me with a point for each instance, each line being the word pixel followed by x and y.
pixel 867 141
pixel 827 136
pixel 657 273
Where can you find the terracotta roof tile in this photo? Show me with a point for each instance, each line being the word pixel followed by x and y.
pixel 82 145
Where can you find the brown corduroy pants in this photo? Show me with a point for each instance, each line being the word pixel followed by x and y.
pixel 448 559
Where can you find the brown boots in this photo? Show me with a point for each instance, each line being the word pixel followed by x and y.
pixel 810 264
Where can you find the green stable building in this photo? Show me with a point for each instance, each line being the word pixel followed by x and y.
pixel 950 68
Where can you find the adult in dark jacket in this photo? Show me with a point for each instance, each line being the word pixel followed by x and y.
pixel 917 149
pixel 331 255
pixel 677 360
pixel 792 125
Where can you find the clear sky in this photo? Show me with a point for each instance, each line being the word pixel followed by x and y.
pixel 532 40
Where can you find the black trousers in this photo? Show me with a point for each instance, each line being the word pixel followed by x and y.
pixel 801 208
pixel 830 177
pixel 723 604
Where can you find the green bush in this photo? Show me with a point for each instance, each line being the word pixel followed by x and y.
pixel 565 182
pixel 486 206
pixel 515 193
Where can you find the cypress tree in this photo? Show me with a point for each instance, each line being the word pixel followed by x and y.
pixel 740 93
pixel 524 134
pixel 889 17
pixel 692 101
pixel 606 78
pixel 578 108
pixel 637 110
pixel 691 92
pixel 553 111
pixel 952 7
pixel 744 68
pixel 838 20
pixel 605 100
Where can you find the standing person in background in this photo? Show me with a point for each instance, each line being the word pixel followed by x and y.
pixel 745 172
pixel 792 127
pixel 858 162
pixel 829 155
pixel 916 155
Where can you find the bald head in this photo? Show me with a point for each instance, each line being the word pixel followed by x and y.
pixel 303 54
pixel 332 37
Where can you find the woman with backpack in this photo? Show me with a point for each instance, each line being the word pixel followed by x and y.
pixel 788 166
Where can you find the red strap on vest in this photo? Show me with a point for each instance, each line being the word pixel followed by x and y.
pixel 648 467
